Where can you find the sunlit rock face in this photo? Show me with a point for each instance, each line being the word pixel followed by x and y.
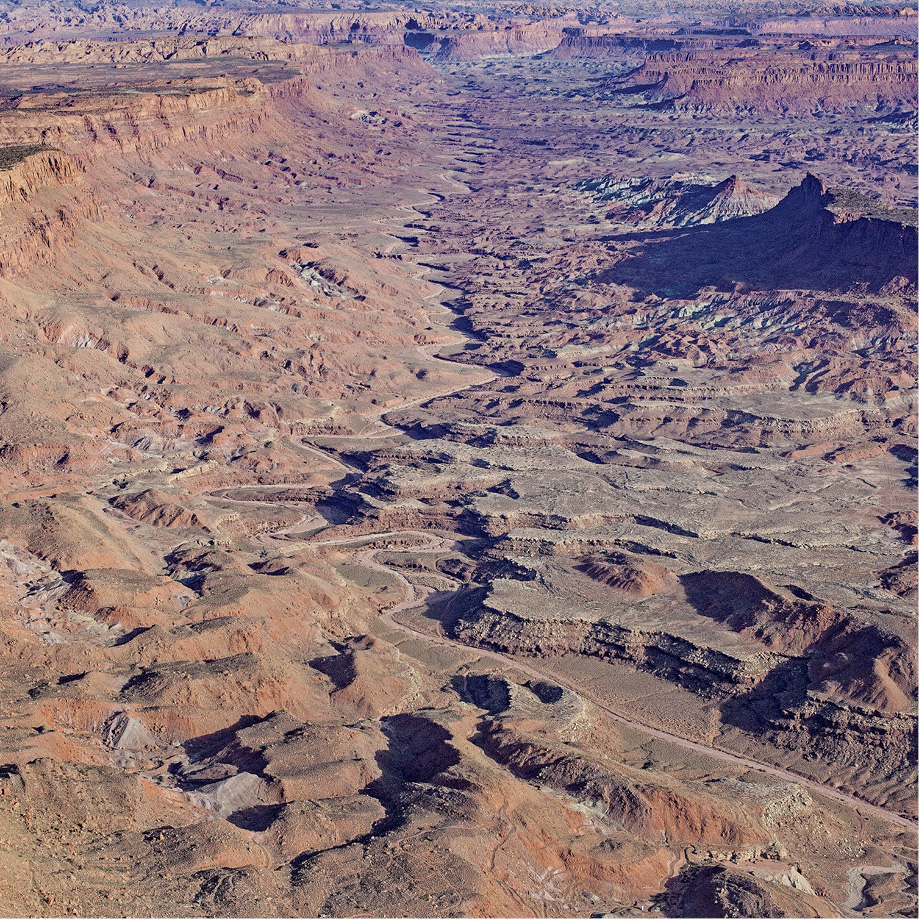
pixel 457 462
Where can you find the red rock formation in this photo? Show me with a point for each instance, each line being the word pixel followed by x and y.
pixel 639 577
pixel 775 82
pixel 507 40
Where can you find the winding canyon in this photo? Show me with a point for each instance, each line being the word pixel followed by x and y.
pixel 457 462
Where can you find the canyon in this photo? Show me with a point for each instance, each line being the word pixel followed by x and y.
pixel 457 462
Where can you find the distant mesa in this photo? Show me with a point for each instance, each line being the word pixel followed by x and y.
pixel 517 39
pixel 778 83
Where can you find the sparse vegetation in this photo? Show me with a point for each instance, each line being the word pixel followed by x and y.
pixel 856 204
pixel 16 153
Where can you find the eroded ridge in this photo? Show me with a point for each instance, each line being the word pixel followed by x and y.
pixel 457 462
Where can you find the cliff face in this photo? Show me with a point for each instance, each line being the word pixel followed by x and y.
pixel 777 83
pixel 52 139
pixel 581 43
pixel 883 23
pixel 314 55
pixel 314 26
pixel 701 669
pixel 374 27
pixel 524 39
pixel 44 198
pixel 36 169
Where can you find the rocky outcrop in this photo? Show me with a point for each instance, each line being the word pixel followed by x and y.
pixel 678 201
pixel 44 199
pixel 157 509
pixel 713 890
pixel 859 746
pixel 654 811
pixel 510 40
pixel 812 239
pixel 636 576
pixel 704 670
pixel 774 82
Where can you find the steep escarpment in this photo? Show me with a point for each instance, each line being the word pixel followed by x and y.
pixel 314 26
pixel 179 49
pixel 797 627
pixel 531 38
pixel 883 21
pixel 53 138
pixel 495 618
pixel 370 26
pixel 805 671
pixel 47 193
pixel 27 168
pixel 774 82
pixel 44 200
pixel 626 50
pixel 145 119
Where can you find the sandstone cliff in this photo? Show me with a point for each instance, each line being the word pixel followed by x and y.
pixel 44 198
pixel 777 83
pixel 510 40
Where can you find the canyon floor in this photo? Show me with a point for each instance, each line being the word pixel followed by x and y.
pixel 464 470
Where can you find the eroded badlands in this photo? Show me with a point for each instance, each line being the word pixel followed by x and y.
pixel 457 464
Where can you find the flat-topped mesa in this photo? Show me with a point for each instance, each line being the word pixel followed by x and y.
pixel 174 49
pixel 138 115
pixel 51 139
pixel 138 118
pixel 775 82
pixel 622 47
pixel 883 22
pixel 372 26
pixel 319 27
pixel 527 39
pixel 147 117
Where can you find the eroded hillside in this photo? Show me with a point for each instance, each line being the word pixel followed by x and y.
pixel 464 470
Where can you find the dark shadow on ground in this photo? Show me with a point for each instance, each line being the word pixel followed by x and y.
pixel 798 244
